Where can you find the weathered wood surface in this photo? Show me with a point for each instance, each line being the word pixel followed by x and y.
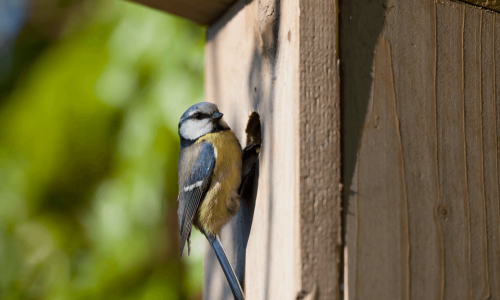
pixel 319 144
pixel 203 12
pixel 420 82
pixel 279 59
pixel 491 4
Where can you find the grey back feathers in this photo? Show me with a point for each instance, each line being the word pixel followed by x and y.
pixel 200 119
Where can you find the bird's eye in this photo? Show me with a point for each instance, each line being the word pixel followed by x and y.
pixel 198 116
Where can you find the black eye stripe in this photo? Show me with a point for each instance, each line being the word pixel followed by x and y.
pixel 199 116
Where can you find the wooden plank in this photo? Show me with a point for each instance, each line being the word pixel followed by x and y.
pixel 382 274
pixel 474 153
pixel 496 59
pixel 490 174
pixel 490 4
pixel 411 31
pixel 409 26
pixel 319 129
pixel 203 12
pixel 260 58
pixel 445 77
pixel 452 206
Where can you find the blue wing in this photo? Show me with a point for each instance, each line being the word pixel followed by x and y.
pixel 193 189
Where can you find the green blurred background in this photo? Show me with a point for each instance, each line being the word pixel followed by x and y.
pixel 90 96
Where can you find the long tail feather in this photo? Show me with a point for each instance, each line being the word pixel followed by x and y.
pixel 226 267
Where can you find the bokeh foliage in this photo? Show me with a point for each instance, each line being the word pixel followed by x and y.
pixel 88 157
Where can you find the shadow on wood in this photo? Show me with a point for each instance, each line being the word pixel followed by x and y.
pixel 361 24
pixel 248 193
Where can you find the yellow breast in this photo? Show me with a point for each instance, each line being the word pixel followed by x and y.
pixel 221 201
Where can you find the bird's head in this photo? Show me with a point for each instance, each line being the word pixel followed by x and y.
pixel 200 119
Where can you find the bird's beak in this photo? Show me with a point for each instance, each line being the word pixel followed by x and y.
pixel 216 116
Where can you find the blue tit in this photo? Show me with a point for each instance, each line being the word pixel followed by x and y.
pixel 210 164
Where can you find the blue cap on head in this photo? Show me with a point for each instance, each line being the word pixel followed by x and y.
pixel 203 107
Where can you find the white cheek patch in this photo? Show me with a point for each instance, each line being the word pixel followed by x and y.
pixel 193 129
pixel 193 186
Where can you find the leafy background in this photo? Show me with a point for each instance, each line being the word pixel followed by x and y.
pixel 90 96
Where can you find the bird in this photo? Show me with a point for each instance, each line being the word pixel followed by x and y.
pixel 210 168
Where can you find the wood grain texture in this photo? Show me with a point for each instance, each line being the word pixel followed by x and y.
pixel 445 77
pixel 452 206
pixel 409 26
pixel 496 59
pixel 319 129
pixel 259 59
pixel 203 12
pixel 413 43
pixel 382 274
pixel 490 146
pixel 474 153
pixel 491 4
